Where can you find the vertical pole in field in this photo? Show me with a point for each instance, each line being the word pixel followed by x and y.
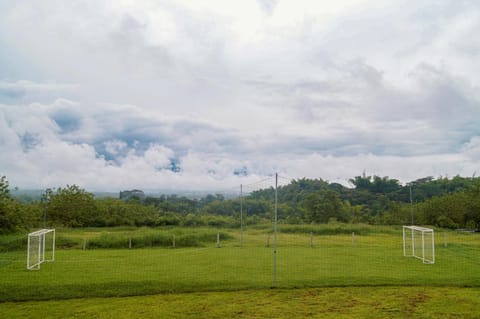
pixel 241 215
pixel 275 236
pixel 218 240
pixel 28 251
pixel 53 246
pixel 44 215
pixel 411 203
pixel 423 246
pixel 433 246
pixel 311 239
pixel 84 244
pixel 43 247
pixel 404 246
pixel 39 252
pixel 413 242
pixel 45 211
pixel 353 238
pixel 46 198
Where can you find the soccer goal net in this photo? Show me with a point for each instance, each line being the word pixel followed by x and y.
pixel 419 242
pixel 40 248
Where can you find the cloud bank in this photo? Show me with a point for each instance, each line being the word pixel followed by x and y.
pixel 179 95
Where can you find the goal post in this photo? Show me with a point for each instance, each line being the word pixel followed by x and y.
pixel 40 248
pixel 419 242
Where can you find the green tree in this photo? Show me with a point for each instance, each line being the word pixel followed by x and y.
pixel 7 215
pixel 71 207
pixel 4 188
pixel 362 182
pixel 13 214
pixel 321 206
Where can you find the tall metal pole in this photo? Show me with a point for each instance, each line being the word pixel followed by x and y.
pixel 44 215
pixel 275 236
pixel 411 203
pixel 45 204
pixel 241 215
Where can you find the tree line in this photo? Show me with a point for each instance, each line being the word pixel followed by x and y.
pixel 444 202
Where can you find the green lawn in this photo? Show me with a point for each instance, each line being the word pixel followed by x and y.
pixel 334 302
pixel 202 275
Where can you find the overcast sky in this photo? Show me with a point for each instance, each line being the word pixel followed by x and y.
pixel 163 94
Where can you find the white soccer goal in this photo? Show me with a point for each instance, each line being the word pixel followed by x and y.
pixel 40 248
pixel 419 242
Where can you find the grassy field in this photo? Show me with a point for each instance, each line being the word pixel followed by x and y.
pixel 311 261
pixel 333 302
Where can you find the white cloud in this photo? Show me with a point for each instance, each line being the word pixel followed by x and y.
pixel 471 149
pixel 183 94
pixel 158 156
pixel 115 147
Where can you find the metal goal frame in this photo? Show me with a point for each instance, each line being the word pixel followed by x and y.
pixel 424 233
pixel 36 248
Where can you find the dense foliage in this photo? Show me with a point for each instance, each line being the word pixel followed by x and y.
pixel 445 202
pixel 14 214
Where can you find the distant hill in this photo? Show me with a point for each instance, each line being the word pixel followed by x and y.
pixel 32 195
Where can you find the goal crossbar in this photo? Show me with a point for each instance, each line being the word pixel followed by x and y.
pixel 422 246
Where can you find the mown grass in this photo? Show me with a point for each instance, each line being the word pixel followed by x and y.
pixel 374 259
pixel 352 302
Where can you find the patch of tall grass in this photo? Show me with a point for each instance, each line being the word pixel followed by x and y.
pixel 174 237
pixel 13 242
pixel 122 237
pixel 337 229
